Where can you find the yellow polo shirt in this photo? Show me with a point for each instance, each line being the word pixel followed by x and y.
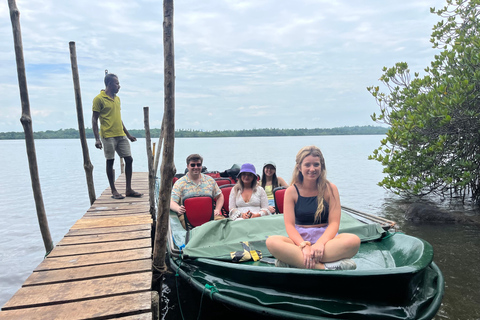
pixel 110 117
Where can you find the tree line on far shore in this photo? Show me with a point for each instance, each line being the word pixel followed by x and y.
pixel 182 133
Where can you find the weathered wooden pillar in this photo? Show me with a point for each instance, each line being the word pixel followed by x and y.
pixel 87 165
pixel 26 121
pixel 151 174
pixel 160 143
pixel 167 167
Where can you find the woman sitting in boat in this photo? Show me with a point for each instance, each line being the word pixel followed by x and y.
pixel 247 199
pixel 312 217
pixel 270 181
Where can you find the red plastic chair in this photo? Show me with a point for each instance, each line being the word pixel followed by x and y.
pixel 226 196
pixel 214 175
pixel 222 181
pixel 198 210
pixel 174 180
pixel 279 196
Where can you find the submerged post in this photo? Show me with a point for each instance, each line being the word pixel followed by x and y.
pixel 151 174
pixel 87 165
pixel 167 167
pixel 26 121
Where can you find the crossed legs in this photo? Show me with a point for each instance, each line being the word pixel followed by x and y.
pixel 343 246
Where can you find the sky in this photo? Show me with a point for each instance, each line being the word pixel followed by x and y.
pixel 238 64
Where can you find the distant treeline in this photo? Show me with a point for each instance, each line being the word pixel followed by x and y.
pixel 266 132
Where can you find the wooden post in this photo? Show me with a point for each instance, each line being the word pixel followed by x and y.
pixel 87 165
pixel 151 174
pixel 160 143
pixel 167 168
pixel 26 121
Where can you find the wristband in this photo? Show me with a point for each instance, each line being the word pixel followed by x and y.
pixel 304 244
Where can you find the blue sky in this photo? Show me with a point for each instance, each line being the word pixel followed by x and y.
pixel 239 64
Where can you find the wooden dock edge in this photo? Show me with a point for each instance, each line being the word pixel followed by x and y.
pixel 101 269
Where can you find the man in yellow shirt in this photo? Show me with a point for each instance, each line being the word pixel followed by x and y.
pixel 113 134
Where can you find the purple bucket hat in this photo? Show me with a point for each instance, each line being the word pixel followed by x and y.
pixel 247 167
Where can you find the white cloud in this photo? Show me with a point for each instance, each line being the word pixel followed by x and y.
pixel 279 60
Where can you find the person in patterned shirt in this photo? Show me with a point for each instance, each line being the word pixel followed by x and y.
pixel 195 183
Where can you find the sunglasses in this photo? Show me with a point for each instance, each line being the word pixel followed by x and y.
pixel 193 165
pixel 248 174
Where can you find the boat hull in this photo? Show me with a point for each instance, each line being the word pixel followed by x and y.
pixel 396 279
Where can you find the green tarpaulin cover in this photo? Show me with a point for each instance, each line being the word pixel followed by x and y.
pixel 217 239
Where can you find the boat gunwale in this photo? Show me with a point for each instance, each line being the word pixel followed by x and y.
pixel 215 295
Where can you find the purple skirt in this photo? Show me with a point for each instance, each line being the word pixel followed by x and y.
pixel 311 234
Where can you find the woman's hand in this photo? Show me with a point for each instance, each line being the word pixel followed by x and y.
pixel 308 258
pixel 271 209
pixel 247 215
pixel 317 251
pixel 255 215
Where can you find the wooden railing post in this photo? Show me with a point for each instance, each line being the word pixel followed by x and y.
pixel 151 174
pixel 26 121
pixel 87 165
pixel 167 167
pixel 160 143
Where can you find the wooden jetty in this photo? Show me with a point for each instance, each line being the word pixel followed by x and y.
pixel 101 269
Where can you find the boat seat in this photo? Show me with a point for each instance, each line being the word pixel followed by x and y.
pixel 226 188
pixel 279 195
pixel 222 181
pixel 198 210
pixel 214 175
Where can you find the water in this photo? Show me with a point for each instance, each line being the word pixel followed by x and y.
pixel 62 177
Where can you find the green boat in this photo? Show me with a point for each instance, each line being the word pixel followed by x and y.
pixel 395 278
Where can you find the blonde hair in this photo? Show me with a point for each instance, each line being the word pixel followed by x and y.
pixel 322 182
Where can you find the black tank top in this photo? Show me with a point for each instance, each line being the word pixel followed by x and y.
pixel 305 209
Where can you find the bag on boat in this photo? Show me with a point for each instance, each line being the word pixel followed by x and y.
pixel 246 254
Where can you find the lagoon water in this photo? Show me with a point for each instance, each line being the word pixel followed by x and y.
pixel 63 183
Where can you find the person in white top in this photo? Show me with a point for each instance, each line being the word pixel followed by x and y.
pixel 247 200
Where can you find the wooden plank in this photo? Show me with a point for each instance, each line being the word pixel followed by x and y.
pixel 115 214
pixel 138 184
pixel 121 188
pixel 105 238
pixel 143 316
pixel 90 272
pixel 72 250
pixel 123 210
pixel 121 203
pixel 79 232
pixel 94 259
pixel 107 197
pixel 104 308
pixel 119 209
pixel 107 193
pixel 35 296
pixel 110 222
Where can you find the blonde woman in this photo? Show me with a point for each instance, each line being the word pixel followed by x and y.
pixel 312 218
